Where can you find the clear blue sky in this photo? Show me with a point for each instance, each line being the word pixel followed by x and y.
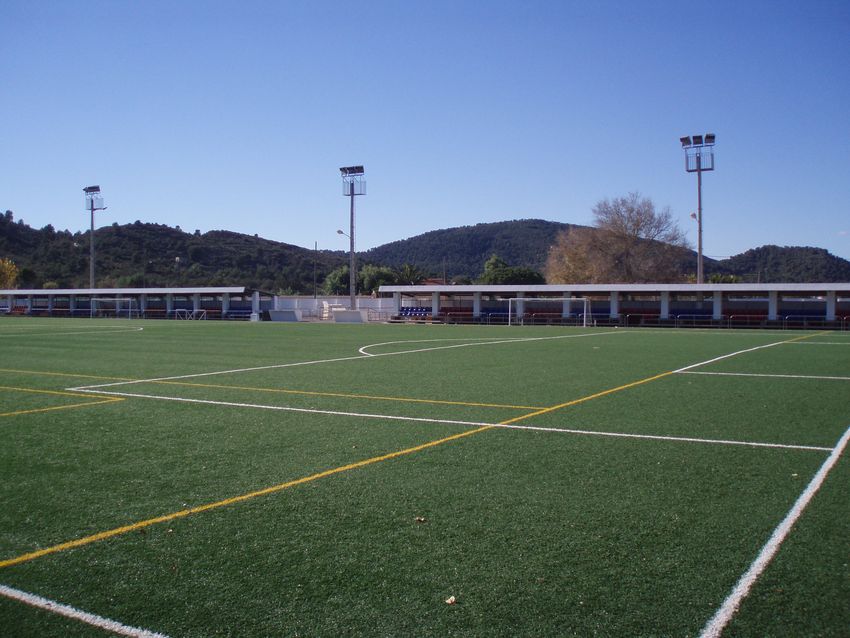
pixel 237 115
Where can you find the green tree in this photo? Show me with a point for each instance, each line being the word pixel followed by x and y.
pixel 373 277
pixel 8 273
pixel 498 272
pixel 336 282
pixel 410 275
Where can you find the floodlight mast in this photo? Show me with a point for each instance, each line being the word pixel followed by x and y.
pixel 697 148
pixel 353 184
pixel 93 202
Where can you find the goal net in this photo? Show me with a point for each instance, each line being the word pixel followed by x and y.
pixel 549 310
pixel 115 307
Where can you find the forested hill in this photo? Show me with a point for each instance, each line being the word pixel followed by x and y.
pixel 157 255
pixel 141 254
pixel 462 251
pixel 790 264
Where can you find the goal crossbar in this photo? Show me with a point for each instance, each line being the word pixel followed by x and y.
pixel 566 305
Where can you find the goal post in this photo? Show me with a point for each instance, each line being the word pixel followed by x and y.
pixel 121 306
pixel 553 308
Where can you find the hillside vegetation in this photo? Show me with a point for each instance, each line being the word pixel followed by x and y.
pixel 147 255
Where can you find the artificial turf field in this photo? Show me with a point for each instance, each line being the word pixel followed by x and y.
pixel 256 479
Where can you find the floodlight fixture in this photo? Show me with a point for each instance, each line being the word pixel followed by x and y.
pixel 353 184
pixel 93 202
pixel 699 157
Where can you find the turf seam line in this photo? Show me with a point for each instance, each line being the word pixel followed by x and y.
pixel 86 540
pixel 715 626
pixel 76 614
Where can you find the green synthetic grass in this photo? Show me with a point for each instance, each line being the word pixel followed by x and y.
pixel 534 533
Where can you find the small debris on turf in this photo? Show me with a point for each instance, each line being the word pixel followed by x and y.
pixel 420 519
pixel 451 600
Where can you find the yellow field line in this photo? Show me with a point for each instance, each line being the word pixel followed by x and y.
pixel 62 407
pixel 57 407
pixel 86 540
pixel 58 392
pixel 817 334
pixel 230 501
pixel 65 374
pixel 587 398
pixel 348 396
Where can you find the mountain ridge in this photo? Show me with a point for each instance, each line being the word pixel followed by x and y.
pixel 147 254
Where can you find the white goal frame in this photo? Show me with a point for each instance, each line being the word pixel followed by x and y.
pixel 117 306
pixel 584 300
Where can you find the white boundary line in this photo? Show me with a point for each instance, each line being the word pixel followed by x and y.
pixel 656 437
pixel 822 343
pixel 76 614
pixel 351 358
pixel 715 626
pixel 286 408
pixel 768 376
pixel 727 356
pixel 509 426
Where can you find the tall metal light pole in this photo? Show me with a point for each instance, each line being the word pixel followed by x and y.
pixel 94 201
pixel 353 184
pixel 699 157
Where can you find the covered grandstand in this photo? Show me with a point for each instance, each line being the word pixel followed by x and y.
pixel 778 305
pixel 146 303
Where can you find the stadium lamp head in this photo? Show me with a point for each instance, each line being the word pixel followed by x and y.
pixel 351 170
pixel 91 189
pixel 709 138
pixel 686 141
pixel 697 140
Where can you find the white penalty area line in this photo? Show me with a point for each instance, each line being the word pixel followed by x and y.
pixel 768 376
pixel 335 360
pixel 414 419
pixel 715 626
pixel 77 614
